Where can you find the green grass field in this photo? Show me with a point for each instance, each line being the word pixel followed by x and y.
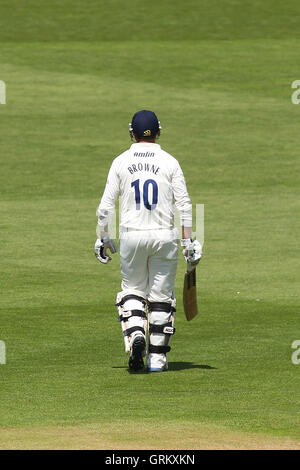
pixel 218 75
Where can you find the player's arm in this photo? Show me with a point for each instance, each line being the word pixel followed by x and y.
pixel 186 232
pixel 105 212
pixel 192 249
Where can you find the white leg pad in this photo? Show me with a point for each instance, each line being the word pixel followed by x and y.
pixel 130 320
pixel 157 360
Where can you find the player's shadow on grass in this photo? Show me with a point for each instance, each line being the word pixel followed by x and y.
pixel 188 365
pixel 171 366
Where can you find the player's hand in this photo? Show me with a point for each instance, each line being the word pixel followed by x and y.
pixel 192 252
pixel 101 247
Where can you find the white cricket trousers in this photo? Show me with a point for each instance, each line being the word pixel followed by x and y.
pixel 149 263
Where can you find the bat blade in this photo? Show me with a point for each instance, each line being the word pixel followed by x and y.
pixel 190 295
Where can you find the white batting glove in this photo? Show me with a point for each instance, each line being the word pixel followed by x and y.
pixel 101 247
pixel 192 252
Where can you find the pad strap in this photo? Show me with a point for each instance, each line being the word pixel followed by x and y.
pixel 132 313
pixel 159 349
pixel 166 328
pixel 131 330
pixel 161 307
pixel 128 297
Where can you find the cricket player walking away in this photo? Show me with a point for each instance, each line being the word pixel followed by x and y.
pixel 149 181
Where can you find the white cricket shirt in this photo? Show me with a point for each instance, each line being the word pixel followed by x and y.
pixel 150 181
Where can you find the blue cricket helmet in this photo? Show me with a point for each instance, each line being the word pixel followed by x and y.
pixel 144 124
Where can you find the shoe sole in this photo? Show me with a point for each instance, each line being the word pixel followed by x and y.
pixel 136 361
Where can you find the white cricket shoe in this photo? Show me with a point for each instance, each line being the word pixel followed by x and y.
pixel 157 362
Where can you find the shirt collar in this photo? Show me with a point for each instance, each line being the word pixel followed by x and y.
pixel 144 144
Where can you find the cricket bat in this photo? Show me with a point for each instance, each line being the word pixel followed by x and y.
pixel 190 295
